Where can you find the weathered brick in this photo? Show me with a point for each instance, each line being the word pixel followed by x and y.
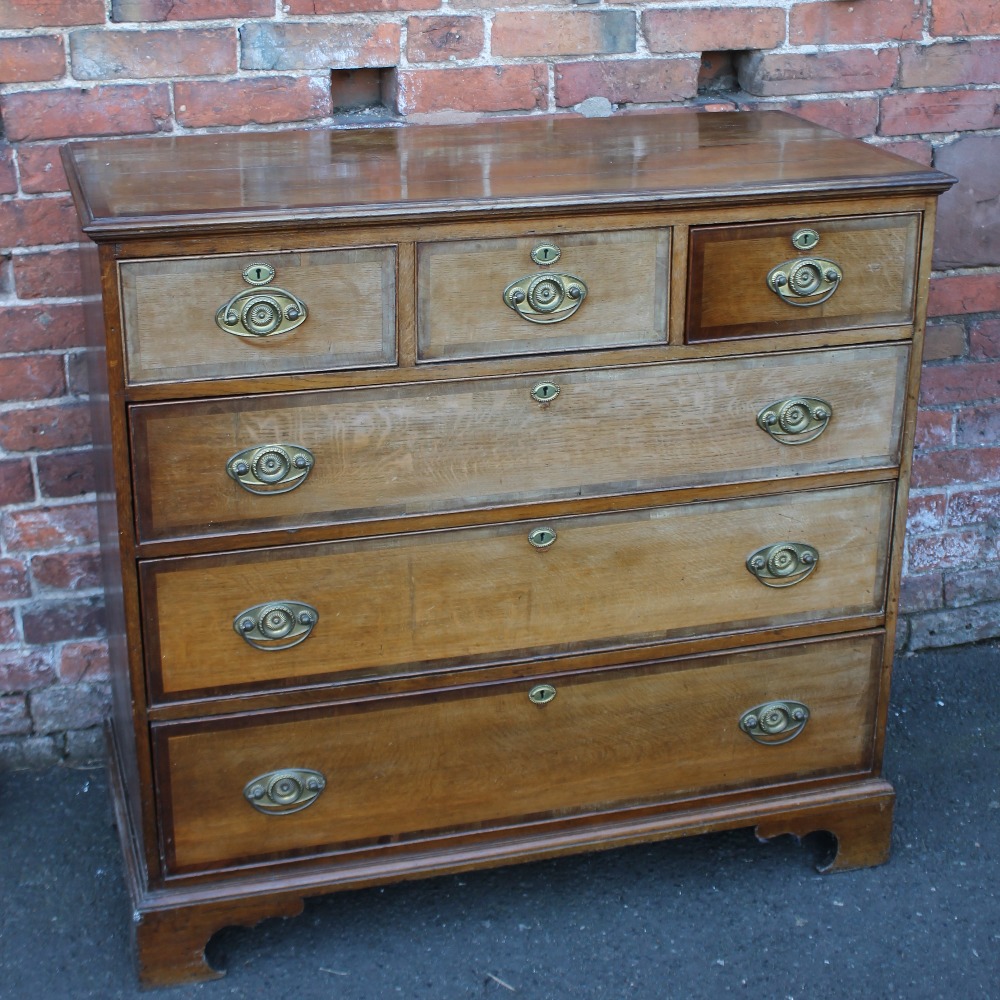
pixel 63 706
pixel 41 328
pixel 66 473
pixel 318 45
pixel 918 150
pixel 627 81
pixel 921 593
pixel 959 17
pixel 934 429
pixel 41 528
pixel 42 427
pixel 50 13
pixel 506 4
pixel 13 584
pixel 954 627
pixel 84 661
pixel 926 512
pixel 8 626
pixel 85 747
pixel 971 586
pixel 852 116
pixel 25 670
pixel 56 621
pixel 172 52
pixel 843 23
pixel 968 231
pixel 956 294
pixel 713 29
pixel 41 169
pixel 31 58
pixel 16 483
pixel 778 74
pixel 978 425
pixel 34 376
pixel 442 39
pixel 950 548
pixel 261 101
pixel 14 718
pixel 956 467
pixel 984 338
pixel 967 382
pixel 944 340
pixel 563 33
pixel 48 274
pixel 20 753
pixel 356 6
pixel 34 221
pixel 187 10
pixel 939 111
pixel 8 176
pixel 975 506
pixel 67 571
pixel 77 374
pixel 950 64
pixel 478 88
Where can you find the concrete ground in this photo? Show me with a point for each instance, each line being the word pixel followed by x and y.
pixel 711 916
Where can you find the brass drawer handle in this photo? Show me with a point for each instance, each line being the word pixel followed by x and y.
pixel 284 791
pixel 258 311
pixel 775 722
pixel 798 420
pixel 806 281
pixel 542 538
pixel 545 298
pixel 271 468
pixel 783 564
pixel 276 625
pixel 541 694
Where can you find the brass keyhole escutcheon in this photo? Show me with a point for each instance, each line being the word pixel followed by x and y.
pixel 541 694
pixel 542 538
pixel 546 253
pixel 545 392
pixel 805 239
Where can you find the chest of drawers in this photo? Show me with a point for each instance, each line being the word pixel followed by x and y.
pixel 476 494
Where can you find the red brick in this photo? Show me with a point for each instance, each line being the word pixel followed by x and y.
pixel 779 74
pixel 864 21
pixel 318 45
pixel 48 274
pixel 563 33
pixel 77 375
pixel 16 483
pixel 918 150
pixel 66 473
pixel 713 29
pixel 40 528
pixel 50 13
pixel 476 89
pixel 84 661
pixel 978 425
pixel 934 430
pixel 33 221
pixel 40 328
pixel 956 467
pixel 40 428
pixel 41 169
pixel 24 670
pixel 950 64
pixel 627 81
pixel 921 593
pixel 187 10
pixel 973 506
pixel 173 52
pixel 953 295
pixel 856 116
pixel 351 6
pixel 968 232
pixel 440 39
pixel 13 583
pixel 65 113
pixel 8 178
pixel 943 341
pixel 31 58
pixel 36 376
pixel 941 111
pixel 57 621
pixel 67 571
pixel 262 101
pixel 984 338
pixel 14 718
pixel 951 548
pixel 960 383
pixel 926 513
pixel 8 626
pixel 959 17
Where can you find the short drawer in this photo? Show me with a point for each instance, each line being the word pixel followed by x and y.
pixel 579 291
pixel 257 314
pixel 801 276
pixel 402 770
pixel 433 600
pixel 399 450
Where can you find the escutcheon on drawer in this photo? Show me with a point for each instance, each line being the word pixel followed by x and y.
pixel 404 769
pixel 433 600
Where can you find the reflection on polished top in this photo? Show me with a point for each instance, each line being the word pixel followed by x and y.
pixel 292 177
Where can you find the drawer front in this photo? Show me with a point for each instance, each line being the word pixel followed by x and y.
pixel 484 443
pixel 410 603
pixel 170 309
pixel 400 770
pixel 731 295
pixel 463 312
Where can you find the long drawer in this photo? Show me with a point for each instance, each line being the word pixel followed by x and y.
pixel 404 769
pixel 444 446
pixel 408 603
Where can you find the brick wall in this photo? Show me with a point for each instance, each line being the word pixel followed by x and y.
pixel 919 77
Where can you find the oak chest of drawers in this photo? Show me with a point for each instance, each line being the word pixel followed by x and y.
pixel 480 493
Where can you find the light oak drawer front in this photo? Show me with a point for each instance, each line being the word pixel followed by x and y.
pixel 407 768
pixel 347 299
pixel 734 291
pixel 407 603
pixel 613 294
pixel 466 445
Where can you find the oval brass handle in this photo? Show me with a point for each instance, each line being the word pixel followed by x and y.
pixel 271 468
pixel 798 420
pixel 775 722
pixel 541 694
pixel 783 564
pixel 276 625
pixel 287 790
pixel 545 298
pixel 261 312
pixel 542 538
pixel 806 281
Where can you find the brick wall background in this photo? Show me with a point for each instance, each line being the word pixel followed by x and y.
pixel 921 77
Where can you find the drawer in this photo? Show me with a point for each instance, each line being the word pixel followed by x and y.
pixel 463 312
pixel 348 299
pixel 732 280
pixel 400 450
pixel 434 600
pixel 402 770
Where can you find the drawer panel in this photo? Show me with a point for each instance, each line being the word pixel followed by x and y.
pixel 170 309
pixel 462 312
pixel 729 295
pixel 402 769
pixel 410 603
pixel 401 450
